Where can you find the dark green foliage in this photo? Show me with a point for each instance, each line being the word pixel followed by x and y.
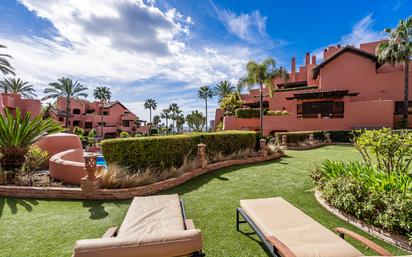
pixel 301 136
pixel 342 136
pixel 161 152
pixel 154 131
pixel 249 113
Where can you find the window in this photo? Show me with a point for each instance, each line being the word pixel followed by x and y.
pixel 325 109
pixel 100 124
pixel 76 111
pixel 106 113
pixel 126 123
pixel 91 111
pixel 399 108
pixel 88 125
pixel 61 119
pixel 76 123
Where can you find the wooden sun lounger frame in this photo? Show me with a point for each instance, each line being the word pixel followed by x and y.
pixel 112 232
pixel 278 249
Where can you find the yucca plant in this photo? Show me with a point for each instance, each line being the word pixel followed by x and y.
pixel 17 133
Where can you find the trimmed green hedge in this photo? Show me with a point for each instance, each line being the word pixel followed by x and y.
pixel 161 152
pixel 249 113
pixel 341 136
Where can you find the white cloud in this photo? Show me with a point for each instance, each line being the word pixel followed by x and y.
pixel 362 32
pixel 119 42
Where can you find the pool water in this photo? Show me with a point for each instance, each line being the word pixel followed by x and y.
pixel 101 161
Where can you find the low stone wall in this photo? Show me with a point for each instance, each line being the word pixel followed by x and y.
pixel 390 237
pixel 127 193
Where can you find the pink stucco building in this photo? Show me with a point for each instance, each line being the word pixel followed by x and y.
pixel 87 115
pixel 349 89
pixel 14 101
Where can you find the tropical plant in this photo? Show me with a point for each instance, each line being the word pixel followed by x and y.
pixel 165 114
pixel 35 159
pixel 151 105
pixel 156 120
pixel 124 134
pixel 46 110
pixel 196 121
pixel 17 133
pixel 205 92
pixel 5 66
pixel 180 121
pixel 175 111
pixel 91 136
pixel 17 86
pixel 263 75
pixel 230 103
pixel 65 87
pixel 223 89
pixel 398 49
pixel 104 95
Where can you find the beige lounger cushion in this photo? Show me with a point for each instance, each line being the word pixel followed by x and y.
pixel 303 235
pixel 179 243
pixel 152 215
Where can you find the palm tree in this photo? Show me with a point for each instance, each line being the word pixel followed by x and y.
pixel 205 92
pixel 175 112
pixel 46 110
pixel 165 114
pixel 262 74
pixel 156 120
pixel 104 95
pixel 398 49
pixel 151 105
pixel 17 86
pixel 223 89
pixel 17 133
pixel 5 66
pixel 65 87
pixel 196 121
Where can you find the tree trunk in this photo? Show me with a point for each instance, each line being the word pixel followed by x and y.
pixel 150 113
pixel 206 113
pixel 67 112
pixel 101 120
pixel 261 108
pixel 406 92
pixel 12 160
pixel 167 126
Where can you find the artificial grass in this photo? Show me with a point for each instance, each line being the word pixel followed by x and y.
pixel 50 228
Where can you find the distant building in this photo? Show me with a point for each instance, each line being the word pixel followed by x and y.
pixel 348 90
pixel 14 101
pixel 87 115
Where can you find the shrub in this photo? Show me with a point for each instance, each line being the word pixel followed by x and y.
pixel 342 136
pixel 248 113
pixel 301 136
pixel 160 152
pixel 35 160
pixel 154 131
pixel 124 134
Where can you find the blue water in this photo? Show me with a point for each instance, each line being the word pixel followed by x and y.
pixel 101 161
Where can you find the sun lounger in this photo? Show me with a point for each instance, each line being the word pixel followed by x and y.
pixel 154 226
pixel 288 232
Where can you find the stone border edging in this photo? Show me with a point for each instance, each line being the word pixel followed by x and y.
pixel 389 237
pixel 124 193
pixel 309 147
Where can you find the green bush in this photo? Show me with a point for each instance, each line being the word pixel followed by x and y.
pixel 249 113
pixel 300 136
pixel 277 113
pixel 124 134
pixel 341 136
pixel 160 152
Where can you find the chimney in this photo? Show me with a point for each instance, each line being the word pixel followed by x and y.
pixel 314 59
pixel 307 58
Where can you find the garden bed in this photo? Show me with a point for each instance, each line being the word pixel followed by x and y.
pixel 126 193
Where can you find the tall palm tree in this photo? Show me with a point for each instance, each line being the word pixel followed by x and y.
pixel 174 113
pixel 65 87
pixel 398 49
pixel 205 92
pixel 151 105
pixel 5 66
pixel 223 89
pixel 17 86
pixel 104 95
pixel 165 114
pixel 263 74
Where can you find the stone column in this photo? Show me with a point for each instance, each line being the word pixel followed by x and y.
pixel 327 138
pixel 90 182
pixel 284 140
pixel 262 144
pixel 201 154
pixel 311 139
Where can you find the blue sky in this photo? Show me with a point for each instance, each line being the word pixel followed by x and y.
pixel 167 49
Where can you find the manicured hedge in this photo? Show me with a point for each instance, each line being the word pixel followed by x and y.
pixel 161 152
pixel 342 136
pixel 300 136
pixel 248 113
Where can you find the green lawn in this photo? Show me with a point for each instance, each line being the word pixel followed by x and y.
pixel 50 228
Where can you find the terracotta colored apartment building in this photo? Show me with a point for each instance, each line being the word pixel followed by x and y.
pixel 14 101
pixel 87 115
pixel 348 90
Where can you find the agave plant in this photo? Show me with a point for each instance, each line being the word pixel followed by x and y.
pixel 17 133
